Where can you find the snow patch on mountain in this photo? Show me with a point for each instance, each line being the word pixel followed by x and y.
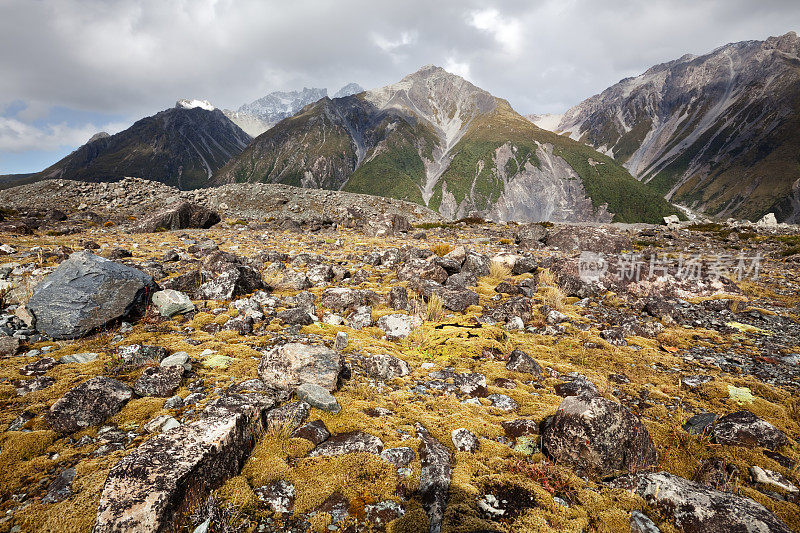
pixel 191 104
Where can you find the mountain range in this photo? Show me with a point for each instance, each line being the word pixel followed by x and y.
pixel 719 133
pixel 257 117
pixel 438 140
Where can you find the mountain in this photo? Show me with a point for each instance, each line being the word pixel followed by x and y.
pixel 435 139
pixel 547 121
pixel 719 132
pixel 348 90
pixel 182 147
pixel 257 117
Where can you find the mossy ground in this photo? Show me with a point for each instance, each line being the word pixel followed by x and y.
pixel 31 458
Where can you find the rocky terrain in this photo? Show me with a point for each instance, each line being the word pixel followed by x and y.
pixel 716 132
pixel 435 139
pixel 266 358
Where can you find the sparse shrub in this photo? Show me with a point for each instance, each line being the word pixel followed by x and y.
pixel 555 479
pixel 506 241
pixel 441 249
pixel 435 309
pixel 547 278
pixel 553 297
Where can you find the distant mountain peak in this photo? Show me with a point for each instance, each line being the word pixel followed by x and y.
pixel 185 103
pixel 98 136
pixel 348 90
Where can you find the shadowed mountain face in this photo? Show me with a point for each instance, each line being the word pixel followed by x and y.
pixel 435 139
pixel 182 147
pixel 718 132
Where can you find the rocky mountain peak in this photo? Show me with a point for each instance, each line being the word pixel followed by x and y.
pixel 191 104
pixel 349 90
pixel 98 136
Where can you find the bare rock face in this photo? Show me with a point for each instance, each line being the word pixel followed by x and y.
pixel 597 435
pixel 88 404
pixel 434 480
pixel 86 292
pixel 161 381
pixel 387 226
pixel 227 277
pixel 744 428
pixel 350 442
pixel 149 487
pixel 181 215
pixel 291 365
pixel 696 508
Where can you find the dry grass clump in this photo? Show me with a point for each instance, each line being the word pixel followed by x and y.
pixel 549 292
pixel 441 249
pixel 498 271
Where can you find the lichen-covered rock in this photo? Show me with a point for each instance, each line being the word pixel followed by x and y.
pixel 87 292
pixel 278 496
pixel 226 276
pixel 342 298
pixel 149 488
pixel 398 457
pixel 744 428
pixel 420 269
pixel 434 479
pixel 314 431
pixel 170 302
pixel 519 361
pixel 350 442
pixel 464 440
pixel 385 366
pixel 695 508
pixel 398 326
pixel 8 345
pixel 288 416
pixel 289 366
pixel 88 404
pixel 521 427
pixel 318 397
pixel 180 215
pixel 160 381
pixel 140 354
pixel 597 435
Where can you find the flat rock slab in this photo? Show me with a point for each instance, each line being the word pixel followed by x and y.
pixel 291 365
pixel 88 404
pixel 148 488
pixel 744 428
pixel 170 302
pixel 86 292
pixel 695 508
pixel 597 435
pixel 159 381
pixel 350 442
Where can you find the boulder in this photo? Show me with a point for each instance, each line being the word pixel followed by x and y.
pixel 342 298
pixel 160 381
pixel 180 215
pixel 278 496
pixel 88 404
pixel 8 345
pixel 456 298
pixel 695 508
pixel 744 428
pixel 350 442
pixel 227 276
pixel 314 431
pixel 398 457
pixel 140 354
pixel 514 429
pixel 296 316
pixel 385 367
pixel 434 480
pixel 148 489
pixel 170 302
pixel 579 435
pixel 464 440
pixel 419 269
pixel 519 361
pixel 531 236
pixel 476 264
pixel 291 365
pixel 398 326
pixel 318 397
pixel 87 292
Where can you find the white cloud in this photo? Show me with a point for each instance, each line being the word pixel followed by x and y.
pixel 457 67
pixel 17 136
pixel 507 32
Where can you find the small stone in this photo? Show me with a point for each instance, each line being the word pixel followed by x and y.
pixel 180 359
pixel 502 402
pixel 278 496
pixel 314 431
pixel 318 397
pixel 341 341
pixel 170 302
pixel 161 424
pixel 464 440
pixel 700 424
pixel 351 442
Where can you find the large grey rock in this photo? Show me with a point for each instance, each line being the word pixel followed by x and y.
pixel 599 436
pixel 226 276
pixel 695 508
pixel 398 326
pixel 8 345
pixel 434 479
pixel 180 215
pixel 519 361
pixel 342 298
pixel 159 381
pixel 88 404
pixel 744 428
pixel 318 397
pixel 147 488
pixel 385 366
pixel 170 302
pixel 87 292
pixel 419 269
pixel 291 365
pixel 387 225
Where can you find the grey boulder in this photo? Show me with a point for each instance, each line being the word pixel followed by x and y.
pixel 88 404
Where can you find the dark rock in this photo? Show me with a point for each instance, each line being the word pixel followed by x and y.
pixel 577 386
pixel 291 365
pixel 118 253
pixel 712 473
pixel 336 505
pixel 188 282
pixel 159 381
pixel 181 215
pixel 39 367
pixel 420 269
pixel 450 266
pixel 434 480
pixel 700 424
pixel 88 404
pixel 243 325
pixel 524 265
pixel 505 287
pixel 518 306
pixel 140 354
pixel 61 487
pixel 744 428
pixel 296 315
pixel 454 298
pixel 350 442
pixel 86 292
pixel 314 431
pixel 521 427
pixel 578 436
pixel 519 361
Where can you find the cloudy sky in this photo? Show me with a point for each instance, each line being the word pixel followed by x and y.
pixel 70 68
